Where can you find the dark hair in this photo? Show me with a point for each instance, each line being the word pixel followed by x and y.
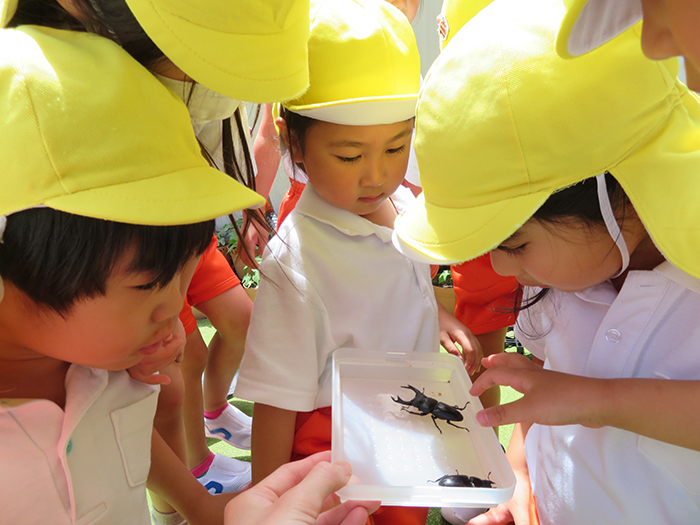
pixel 577 204
pixel 297 128
pixel 114 20
pixel 58 258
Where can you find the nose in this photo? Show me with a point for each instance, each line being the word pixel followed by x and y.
pixel 503 265
pixel 374 174
pixel 658 41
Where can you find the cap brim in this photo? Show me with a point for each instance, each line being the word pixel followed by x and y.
pixel 588 24
pixel 255 67
pixel 8 8
pixel 438 235
pixel 362 112
pixel 185 197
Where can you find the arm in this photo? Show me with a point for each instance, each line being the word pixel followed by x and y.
pixel 297 494
pixel 451 332
pixel 661 409
pixel 273 436
pixel 266 152
pixel 518 508
pixel 171 480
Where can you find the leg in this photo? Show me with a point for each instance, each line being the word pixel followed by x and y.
pixel 229 313
pixel 193 365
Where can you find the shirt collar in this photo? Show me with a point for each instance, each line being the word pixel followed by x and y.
pixel 312 205
pixel 678 276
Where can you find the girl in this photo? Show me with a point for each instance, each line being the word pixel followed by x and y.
pixel 160 36
pixel 350 134
pixel 562 179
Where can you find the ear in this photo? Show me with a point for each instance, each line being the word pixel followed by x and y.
pixel 73 8
pixel 294 149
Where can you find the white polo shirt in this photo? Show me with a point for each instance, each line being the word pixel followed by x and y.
pixel 649 329
pixel 331 280
pixel 87 464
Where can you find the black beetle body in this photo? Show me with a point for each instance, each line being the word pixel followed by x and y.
pixel 460 480
pixel 429 406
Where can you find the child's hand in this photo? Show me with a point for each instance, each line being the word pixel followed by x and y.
pixel 171 352
pixel 299 493
pixel 518 510
pixel 549 398
pixel 451 332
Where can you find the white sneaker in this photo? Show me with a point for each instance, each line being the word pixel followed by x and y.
pixel 226 474
pixel 232 426
pixel 174 518
pixel 460 515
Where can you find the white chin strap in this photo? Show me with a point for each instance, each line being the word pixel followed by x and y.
pixel 611 223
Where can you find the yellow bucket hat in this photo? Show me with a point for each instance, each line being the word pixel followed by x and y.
pixel 87 130
pixel 503 122
pixel 590 23
pixel 454 14
pixel 364 66
pixel 253 50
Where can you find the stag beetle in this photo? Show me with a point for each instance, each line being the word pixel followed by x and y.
pixel 429 406
pixel 460 480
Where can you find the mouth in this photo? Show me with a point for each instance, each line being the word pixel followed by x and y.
pixel 151 349
pixel 370 200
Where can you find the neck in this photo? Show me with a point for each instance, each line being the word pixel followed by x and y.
pixel 38 378
pixel 385 215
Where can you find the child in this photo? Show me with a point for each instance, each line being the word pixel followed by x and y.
pixel 669 29
pixel 221 126
pixel 331 277
pixel 616 327
pixel 87 284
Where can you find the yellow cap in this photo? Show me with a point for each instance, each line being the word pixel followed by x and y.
pixel 7 11
pixel 253 50
pixel 590 23
pixel 454 14
pixel 364 65
pixel 503 122
pixel 87 130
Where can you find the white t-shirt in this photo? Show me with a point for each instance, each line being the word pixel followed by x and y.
pixel 85 464
pixel 649 329
pixel 331 280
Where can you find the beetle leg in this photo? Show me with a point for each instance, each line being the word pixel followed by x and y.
pixel 456 426
pixel 435 423
pixel 460 409
pixel 414 413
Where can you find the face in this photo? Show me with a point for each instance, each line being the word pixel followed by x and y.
pixel 407 7
pixel 569 258
pixel 670 28
pixel 112 331
pixel 356 168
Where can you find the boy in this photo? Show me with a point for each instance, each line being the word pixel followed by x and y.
pixel 95 152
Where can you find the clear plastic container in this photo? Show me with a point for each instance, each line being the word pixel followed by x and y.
pixel 397 457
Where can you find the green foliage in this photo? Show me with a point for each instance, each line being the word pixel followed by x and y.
pixel 443 277
pixel 251 277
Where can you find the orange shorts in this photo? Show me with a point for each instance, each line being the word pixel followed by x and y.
pixel 290 199
pixel 212 277
pixel 313 434
pixel 484 299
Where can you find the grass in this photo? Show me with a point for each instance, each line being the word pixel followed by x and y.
pixel 434 517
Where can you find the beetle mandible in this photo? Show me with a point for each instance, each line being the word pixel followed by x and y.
pixel 461 480
pixel 429 406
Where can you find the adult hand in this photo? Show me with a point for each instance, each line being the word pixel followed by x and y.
pixel 451 332
pixel 170 352
pixel 549 398
pixel 299 493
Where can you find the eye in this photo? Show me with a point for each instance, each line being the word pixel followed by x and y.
pixel 349 159
pixel 397 150
pixel 517 250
